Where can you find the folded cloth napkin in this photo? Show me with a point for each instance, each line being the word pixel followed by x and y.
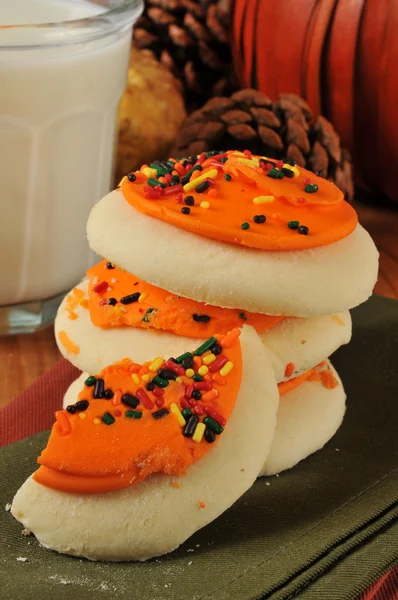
pixel 326 529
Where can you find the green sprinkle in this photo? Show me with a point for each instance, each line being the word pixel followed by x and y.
pixel 245 225
pixel 197 377
pixel 133 414
pixel 159 169
pixel 180 358
pixel 154 182
pixel 275 174
pixel 213 425
pixel 108 419
pixel 186 413
pixel 293 224
pixel 145 318
pixel 90 381
pixel 311 188
pixel 227 176
pixel 160 382
pixel 224 159
pixel 205 346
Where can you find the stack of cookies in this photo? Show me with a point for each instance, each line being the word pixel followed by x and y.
pixel 207 330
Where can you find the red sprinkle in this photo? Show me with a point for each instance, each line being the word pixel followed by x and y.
pixel 103 302
pixel 184 403
pixel 100 288
pixel 203 385
pixel 302 201
pixel 218 363
pixel 117 413
pixel 172 190
pixel 306 181
pixel 188 391
pixel 268 167
pixel 160 402
pixel 151 193
pixel 199 410
pixel 279 164
pixel 167 177
pixel 247 153
pixel 192 403
pixel 158 392
pixel 179 198
pixel 144 399
pixel 172 366
pixel 215 415
pixel 289 370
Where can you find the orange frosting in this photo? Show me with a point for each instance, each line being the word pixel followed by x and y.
pixel 321 372
pixel 158 309
pixel 84 454
pixel 251 191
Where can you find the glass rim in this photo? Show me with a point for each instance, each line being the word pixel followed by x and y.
pixel 85 29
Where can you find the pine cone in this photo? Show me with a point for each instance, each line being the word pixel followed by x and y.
pixel 283 129
pixel 191 38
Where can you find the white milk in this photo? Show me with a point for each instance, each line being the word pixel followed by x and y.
pixel 58 110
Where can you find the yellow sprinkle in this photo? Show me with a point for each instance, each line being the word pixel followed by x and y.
pixel 97 421
pixel 117 311
pixel 156 364
pixel 208 359
pixel 146 377
pixel 204 204
pixel 178 379
pixel 135 378
pixel 84 302
pixel 227 368
pixel 203 370
pixel 194 182
pixel 189 372
pixel 143 297
pixel 82 415
pixel 198 433
pixel 176 411
pixel 263 199
pixel 252 162
pixel 148 172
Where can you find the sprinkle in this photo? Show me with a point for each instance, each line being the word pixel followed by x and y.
pixel 213 425
pixel 303 230
pixel 293 224
pixel 63 422
pixel 160 382
pixel 188 391
pixel 180 358
pixel 203 187
pixel 186 413
pixel 188 363
pixel 189 200
pixel 111 301
pixel 227 368
pixel 159 414
pixel 245 225
pixel 220 361
pixel 174 409
pixel 156 364
pixel 130 400
pixel 210 436
pixel 216 349
pixel 198 410
pixel 131 177
pixel 82 404
pixel 117 413
pixel 189 373
pixel 186 210
pixel 97 421
pixel 136 379
pixel 196 394
pixel 172 366
pixel 227 176
pixel 130 298
pixel 143 297
pixel 148 172
pixel 117 311
pixel 90 381
pixel 71 408
pixel 144 399
pixel 210 396
pixel 212 193
pixel 133 414
pixel 203 370
pixel 204 204
pixel 158 392
pixel 178 379
pixel 190 426
pixel 216 416
pixel 98 389
pixel 195 182
pixel 117 398
pixel 289 370
pixel 202 504
pixel 259 219
pixel 107 419
pixel 146 377
pixel 167 374
pixel 310 188
pixel 219 380
pixel 275 174
pixel 203 385
pixel 198 433
pixel 100 287
pixel 229 339
pixel 201 318
pixel 205 346
pixel 82 415
pixel 208 359
pixel 263 199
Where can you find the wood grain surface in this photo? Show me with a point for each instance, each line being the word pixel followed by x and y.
pixel 23 358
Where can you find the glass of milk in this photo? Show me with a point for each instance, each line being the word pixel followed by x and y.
pixel 63 70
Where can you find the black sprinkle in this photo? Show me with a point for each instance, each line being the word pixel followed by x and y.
pixel 167 374
pixel 201 318
pixel 109 265
pixel 130 400
pixel 189 200
pixel 210 436
pixel 190 426
pixel 71 409
pixel 259 219
pixel 185 210
pixel 150 386
pixel 82 404
pixel 99 389
pixel 159 414
pixel 108 394
pixel 131 177
pixel 303 230
pixel 187 363
pixel 216 349
pixel 287 172
pixel 111 301
pixel 196 395
pixel 202 187
pixel 242 316
pixel 130 298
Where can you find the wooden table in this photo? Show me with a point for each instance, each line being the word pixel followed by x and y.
pixel 23 358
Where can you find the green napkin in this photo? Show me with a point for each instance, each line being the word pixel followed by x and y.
pixel 324 530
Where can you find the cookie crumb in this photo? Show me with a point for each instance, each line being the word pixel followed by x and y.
pixel 25 532
pixel 21 559
pixel 202 504
pixel 8 507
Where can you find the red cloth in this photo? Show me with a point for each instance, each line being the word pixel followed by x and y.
pixel 32 412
